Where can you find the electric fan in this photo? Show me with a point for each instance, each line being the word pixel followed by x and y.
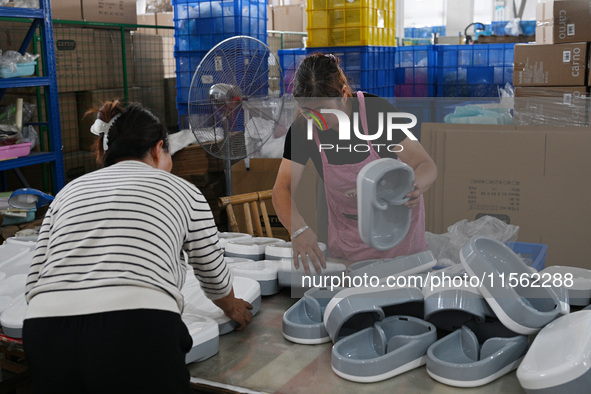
pixel 236 100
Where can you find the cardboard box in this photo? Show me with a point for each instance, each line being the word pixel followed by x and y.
pixel 290 18
pixel 552 106
pixel 533 177
pixel 171 112
pixel 165 19
pixel 551 65
pixel 153 98
pixel 94 98
pixel 194 160
pixel 78 163
pixel 66 10
pixel 148 61
pixel 75 58
pixel 108 59
pixel 110 11
pixel 562 21
pixel 69 122
pixel 147 19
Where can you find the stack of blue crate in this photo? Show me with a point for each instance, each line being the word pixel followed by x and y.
pixel 473 70
pixel 289 60
pixel 415 71
pixel 368 68
pixel 202 24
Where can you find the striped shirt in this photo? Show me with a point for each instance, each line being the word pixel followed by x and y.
pixel 111 240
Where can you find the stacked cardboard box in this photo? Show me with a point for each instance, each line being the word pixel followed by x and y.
pixel 111 11
pixel 552 76
pixel 531 176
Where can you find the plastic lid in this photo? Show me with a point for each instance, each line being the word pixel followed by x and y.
pixel 252 246
pixel 258 270
pixel 13 286
pixel 14 316
pixel 11 252
pixel 201 329
pixel 283 250
pixel 559 354
pixel 225 237
pixel 237 260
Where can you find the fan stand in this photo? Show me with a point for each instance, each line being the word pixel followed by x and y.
pixel 228 162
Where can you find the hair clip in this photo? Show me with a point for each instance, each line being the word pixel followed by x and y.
pixel 99 127
pixel 331 56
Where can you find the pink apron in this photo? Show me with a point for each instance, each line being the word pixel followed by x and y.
pixel 340 183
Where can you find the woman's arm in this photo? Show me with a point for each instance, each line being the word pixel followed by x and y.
pixel 423 165
pixel 305 244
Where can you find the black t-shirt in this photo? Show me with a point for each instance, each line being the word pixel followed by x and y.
pixel 299 149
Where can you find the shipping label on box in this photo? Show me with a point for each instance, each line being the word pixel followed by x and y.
pixel 75 59
pixel 551 65
pixel 110 11
pixel 563 21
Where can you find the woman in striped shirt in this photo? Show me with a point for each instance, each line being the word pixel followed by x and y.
pixel 104 285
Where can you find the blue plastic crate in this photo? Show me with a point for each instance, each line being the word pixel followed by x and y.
pixel 368 68
pixel 409 32
pixel 289 60
pixel 498 28
pixel 464 90
pixel 201 24
pixel 535 252
pixel 528 27
pixel 186 64
pixel 475 55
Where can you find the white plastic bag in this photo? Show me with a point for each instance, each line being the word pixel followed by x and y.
pixel 448 245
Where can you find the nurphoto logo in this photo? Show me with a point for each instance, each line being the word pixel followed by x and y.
pixel 389 119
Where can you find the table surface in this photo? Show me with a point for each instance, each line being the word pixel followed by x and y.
pixel 260 359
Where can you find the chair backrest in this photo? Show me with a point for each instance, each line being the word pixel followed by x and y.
pixel 251 202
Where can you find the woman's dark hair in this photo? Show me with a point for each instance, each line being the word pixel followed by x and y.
pixel 132 134
pixel 319 75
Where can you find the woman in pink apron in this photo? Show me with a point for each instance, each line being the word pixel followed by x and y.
pixel 319 76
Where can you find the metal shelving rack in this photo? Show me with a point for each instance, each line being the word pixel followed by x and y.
pixel 40 18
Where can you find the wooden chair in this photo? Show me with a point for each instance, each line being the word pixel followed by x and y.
pixel 252 214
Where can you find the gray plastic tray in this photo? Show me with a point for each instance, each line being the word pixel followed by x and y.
pixel 355 309
pixel 476 354
pixel 382 186
pixel 304 322
pixel 523 308
pixel 392 346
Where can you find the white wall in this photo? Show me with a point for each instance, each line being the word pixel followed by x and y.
pixel 457 14
pixel 418 13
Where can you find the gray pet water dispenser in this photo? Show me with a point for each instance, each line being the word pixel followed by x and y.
pixel 558 359
pixel 476 354
pixel 390 347
pixel 355 309
pixel 520 305
pixel 382 186
pixel 304 322
pixel 399 266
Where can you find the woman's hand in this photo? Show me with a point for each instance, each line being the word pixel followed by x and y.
pixel 305 245
pixel 240 313
pixel 236 309
pixel 414 197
